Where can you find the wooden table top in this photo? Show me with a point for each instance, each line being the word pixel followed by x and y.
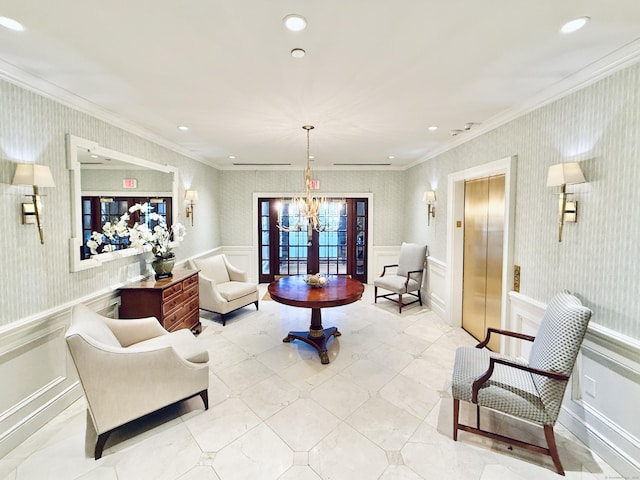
pixel 292 290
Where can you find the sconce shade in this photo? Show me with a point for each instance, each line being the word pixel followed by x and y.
pixel 565 174
pixel 191 195
pixel 429 197
pixel 32 174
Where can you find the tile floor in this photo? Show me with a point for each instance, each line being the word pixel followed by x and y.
pixel 380 410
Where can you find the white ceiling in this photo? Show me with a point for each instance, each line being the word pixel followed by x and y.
pixel 376 75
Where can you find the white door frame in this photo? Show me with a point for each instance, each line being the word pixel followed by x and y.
pixel 455 233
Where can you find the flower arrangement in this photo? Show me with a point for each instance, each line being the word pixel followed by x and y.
pixel 161 239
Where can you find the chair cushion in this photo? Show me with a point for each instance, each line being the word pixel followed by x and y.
pixel 509 390
pixel 182 341
pixel 395 283
pixel 232 290
pixel 213 268
pixel 411 258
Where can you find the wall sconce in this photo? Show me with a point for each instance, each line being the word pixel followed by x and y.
pixel 563 174
pixel 430 198
pixel 36 176
pixel 190 196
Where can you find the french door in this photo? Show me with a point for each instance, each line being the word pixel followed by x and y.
pixel 339 250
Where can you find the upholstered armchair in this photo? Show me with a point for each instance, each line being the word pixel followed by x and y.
pixel 403 278
pixel 223 288
pixel 129 368
pixel 529 390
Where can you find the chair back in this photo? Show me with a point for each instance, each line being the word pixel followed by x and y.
pixel 556 347
pixel 213 267
pixel 412 258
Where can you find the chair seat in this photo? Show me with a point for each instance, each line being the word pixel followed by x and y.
pixel 231 291
pixel 396 283
pixel 509 390
pixel 182 341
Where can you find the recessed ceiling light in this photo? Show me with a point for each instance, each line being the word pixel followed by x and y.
pixel 11 24
pixel 574 25
pixel 232 157
pixel 391 157
pixel 295 23
pixel 184 128
pixel 312 157
pixel 298 53
pixel 93 155
pixel 433 128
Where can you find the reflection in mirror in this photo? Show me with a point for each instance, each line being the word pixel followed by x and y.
pixel 104 184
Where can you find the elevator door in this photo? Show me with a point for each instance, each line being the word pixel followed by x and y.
pixel 483 249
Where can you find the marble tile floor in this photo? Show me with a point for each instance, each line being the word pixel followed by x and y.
pixel 381 410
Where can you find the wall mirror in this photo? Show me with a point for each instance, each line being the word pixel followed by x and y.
pixel 105 181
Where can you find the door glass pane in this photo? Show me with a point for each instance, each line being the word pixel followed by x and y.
pixel 333 241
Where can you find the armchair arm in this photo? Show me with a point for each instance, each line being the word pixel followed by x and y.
pixel 384 268
pixel 482 379
pixel 235 274
pixel 210 298
pixel 406 283
pixel 508 333
pixel 134 330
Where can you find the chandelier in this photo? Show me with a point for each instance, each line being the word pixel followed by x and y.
pixel 304 212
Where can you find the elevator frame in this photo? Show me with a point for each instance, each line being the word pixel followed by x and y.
pixel 455 235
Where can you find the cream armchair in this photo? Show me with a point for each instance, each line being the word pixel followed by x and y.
pixel 223 288
pixel 129 368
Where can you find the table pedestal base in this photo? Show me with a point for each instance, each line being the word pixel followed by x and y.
pixel 317 336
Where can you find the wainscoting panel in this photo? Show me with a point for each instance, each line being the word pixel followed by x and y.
pixel 36 371
pixel 435 287
pixel 600 405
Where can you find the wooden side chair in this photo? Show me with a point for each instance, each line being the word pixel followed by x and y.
pixel 406 279
pixel 531 390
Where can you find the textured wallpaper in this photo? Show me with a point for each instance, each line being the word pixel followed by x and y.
pixel 599 257
pixel 388 213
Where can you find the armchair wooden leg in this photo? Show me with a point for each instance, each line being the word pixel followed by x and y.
pixel 375 294
pixel 553 448
pixel 224 319
pixel 456 413
pixel 204 394
pixel 256 304
pixel 400 302
pixel 100 443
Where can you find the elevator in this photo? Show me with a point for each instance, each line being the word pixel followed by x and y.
pixel 484 219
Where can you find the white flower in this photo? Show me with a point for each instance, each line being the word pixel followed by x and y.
pixel 160 239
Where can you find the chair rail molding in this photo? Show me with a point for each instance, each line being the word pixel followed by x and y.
pixel 600 407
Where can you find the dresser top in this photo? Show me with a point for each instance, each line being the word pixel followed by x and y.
pixel 179 274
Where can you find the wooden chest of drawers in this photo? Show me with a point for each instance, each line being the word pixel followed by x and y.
pixel 174 301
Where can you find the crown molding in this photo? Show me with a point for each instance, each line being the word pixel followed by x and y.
pixel 27 81
pixel 622 58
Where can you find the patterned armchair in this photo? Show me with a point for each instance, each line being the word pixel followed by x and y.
pixel 406 279
pixel 531 390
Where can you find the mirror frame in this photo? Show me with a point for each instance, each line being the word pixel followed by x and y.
pixel 74 166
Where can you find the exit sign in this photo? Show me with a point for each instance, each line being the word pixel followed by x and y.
pixel 314 184
pixel 129 183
